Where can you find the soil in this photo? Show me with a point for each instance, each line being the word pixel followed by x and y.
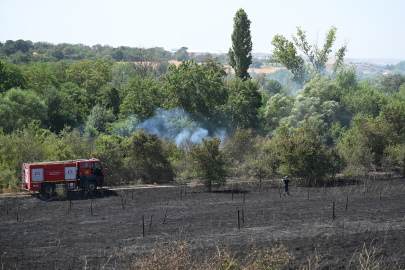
pixel 92 231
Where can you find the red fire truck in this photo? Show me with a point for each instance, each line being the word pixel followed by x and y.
pixel 70 174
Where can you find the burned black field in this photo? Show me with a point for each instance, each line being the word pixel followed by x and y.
pixel 341 226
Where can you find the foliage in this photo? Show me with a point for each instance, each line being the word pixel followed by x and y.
pixel 303 155
pixel 240 54
pixel 21 145
pixel 19 107
pixel 98 119
pixel 243 103
pixel 142 99
pixel 353 125
pixel 265 160
pixel 60 110
pixel 238 147
pixel 365 101
pixel 11 76
pixel 89 75
pixel 195 89
pixel 115 151
pixel 208 162
pixel 285 53
pixel 366 141
pixel 182 54
pixel 390 84
pixel 277 108
pixel 149 158
pixel 319 56
pixel 396 154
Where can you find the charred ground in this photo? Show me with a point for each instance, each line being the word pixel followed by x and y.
pixel 105 228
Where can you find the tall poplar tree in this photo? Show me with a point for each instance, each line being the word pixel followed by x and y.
pixel 240 54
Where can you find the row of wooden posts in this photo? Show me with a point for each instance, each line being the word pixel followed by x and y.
pixel 124 202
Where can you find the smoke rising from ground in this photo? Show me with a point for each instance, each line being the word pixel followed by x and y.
pixel 174 124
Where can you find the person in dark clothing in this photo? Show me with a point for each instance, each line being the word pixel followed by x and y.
pixel 286 182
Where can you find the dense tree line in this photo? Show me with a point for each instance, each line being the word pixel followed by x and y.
pixel 75 101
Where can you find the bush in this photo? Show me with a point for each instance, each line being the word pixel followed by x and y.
pixel 208 162
pixel 149 157
pixel 8 180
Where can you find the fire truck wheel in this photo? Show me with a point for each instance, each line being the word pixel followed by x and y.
pixel 48 188
pixel 91 186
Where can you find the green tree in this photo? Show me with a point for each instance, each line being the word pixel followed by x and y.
pixel 182 54
pixel 195 88
pixel 115 150
pixel 285 53
pixel 11 76
pixel 303 155
pixel 366 142
pixel 244 102
pixel 143 98
pixel 111 99
pixel 61 110
pixel 150 158
pixel 90 75
pixel 273 87
pixel 77 96
pixel 276 108
pixel 240 54
pixel 237 149
pixel 98 119
pixel 40 76
pixel 318 56
pixel 20 107
pixel 208 163
pixel 390 84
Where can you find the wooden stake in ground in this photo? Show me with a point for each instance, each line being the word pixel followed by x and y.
pixel 150 225
pixel 347 201
pixel 279 191
pixel 232 192
pixel 243 217
pixel 143 227
pixel 238 221
pixel 164 219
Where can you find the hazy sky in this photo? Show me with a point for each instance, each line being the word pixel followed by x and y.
pixel 374 29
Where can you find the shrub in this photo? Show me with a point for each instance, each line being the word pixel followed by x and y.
pixel 208 162
pixel 149 157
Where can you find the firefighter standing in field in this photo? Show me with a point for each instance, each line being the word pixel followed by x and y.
pixel 286 182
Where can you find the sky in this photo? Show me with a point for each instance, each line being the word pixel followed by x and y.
pixel 373 29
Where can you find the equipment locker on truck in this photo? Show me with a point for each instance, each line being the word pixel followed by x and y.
pixel 70 174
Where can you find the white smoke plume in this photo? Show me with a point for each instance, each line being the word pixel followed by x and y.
pixel 175 124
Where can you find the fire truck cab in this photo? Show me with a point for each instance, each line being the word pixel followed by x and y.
pixel 70 174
